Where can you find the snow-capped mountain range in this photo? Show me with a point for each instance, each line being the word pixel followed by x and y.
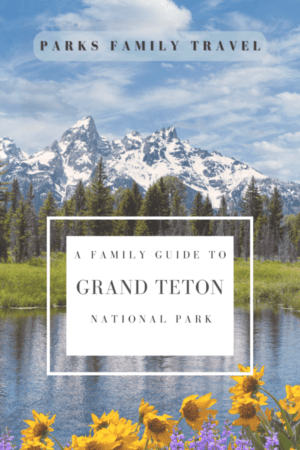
pixel 59 167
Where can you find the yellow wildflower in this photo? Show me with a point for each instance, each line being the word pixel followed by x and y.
pixel 247 408
pixel 159 429
pixel 104 421
pixel 195 410
pixel 232 444
pixel 102 440
pixel 246 385
pixel 268 413
pixel 140 445
pixel 126 434
pixel 38 428
pixel 144 409
pixel 291 403
pixel 37 445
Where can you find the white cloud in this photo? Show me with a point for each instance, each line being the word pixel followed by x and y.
pixel 209 4
pixel 290 103
pixel 239 21
pixel 278 156
pixel 188 66
pixel 238 108
pixel 267 147
pixel 290 137
pixel 123 14
pixel 287 46
pixel 236 21
pixel 268 164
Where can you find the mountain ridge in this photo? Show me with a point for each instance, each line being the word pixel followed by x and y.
pixel 60 166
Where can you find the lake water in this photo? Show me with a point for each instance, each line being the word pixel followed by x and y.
pixel 24 385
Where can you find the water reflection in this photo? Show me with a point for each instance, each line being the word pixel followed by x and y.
pixel 24 384
pixel 62 363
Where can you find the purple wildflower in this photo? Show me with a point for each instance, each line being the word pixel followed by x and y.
pixel 209 438
pixel 177 439
pixel 6 440
pixel 242 443
pixel 272 441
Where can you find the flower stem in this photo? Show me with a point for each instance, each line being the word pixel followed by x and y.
pixel 282 412
pixel 56 441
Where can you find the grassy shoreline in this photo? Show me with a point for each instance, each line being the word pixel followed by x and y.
pixel 24 285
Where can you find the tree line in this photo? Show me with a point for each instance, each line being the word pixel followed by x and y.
pixel 23 230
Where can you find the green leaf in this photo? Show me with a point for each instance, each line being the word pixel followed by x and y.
pixel 283 413
pixel 252 437
pixel 296 429
pixel 298 443
pixel 285 442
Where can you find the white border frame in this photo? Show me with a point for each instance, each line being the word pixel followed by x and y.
pixel 155 374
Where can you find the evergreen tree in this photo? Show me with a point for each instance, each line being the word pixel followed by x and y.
pixel 173 184
pixel 164 206
pixel 292 223
pixel 151 207
pixel 3 213
pixel 179 228
pixel 48 209
pixel 231 223
pixel 66 227
pixel 32 221
pixel 197 211
pixel 177 207
pixel 267 243
pixel 251 203
pixel 222 212
pixel 200 208
pixel 14 198
pixel 207 211
pixel 260 235
pixel 15 195
pixel 236 238
pixel 138 199
pixel 126 207
pixel 286 249
pixel 141 228
pixel 80 208
pixel 20 231
pixel 99 203
pixel 275 207
pixel 246 239
pixel 265 204
pixel 117 196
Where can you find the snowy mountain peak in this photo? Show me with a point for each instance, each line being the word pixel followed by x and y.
pixel 171 133
pixel 55 147
pixel 83 131
pixel 87 123
pixel 134 134
pixel 133 141
pixel 214 152
pixel 168 134
pixel 9 151
pixel 60 166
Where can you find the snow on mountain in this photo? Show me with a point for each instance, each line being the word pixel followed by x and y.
pixel 59 167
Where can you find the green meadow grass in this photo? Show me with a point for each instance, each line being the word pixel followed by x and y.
pixel 274 282
pixel 24 285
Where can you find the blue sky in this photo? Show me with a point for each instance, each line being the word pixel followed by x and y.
pixel 248 110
